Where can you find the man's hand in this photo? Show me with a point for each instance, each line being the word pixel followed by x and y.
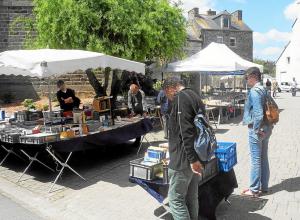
pixel 261 134
pixel 69 100
pixel 197 168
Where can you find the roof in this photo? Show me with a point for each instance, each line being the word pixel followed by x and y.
pixel 211 22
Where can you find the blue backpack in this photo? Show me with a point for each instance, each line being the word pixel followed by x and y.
pixel 205 142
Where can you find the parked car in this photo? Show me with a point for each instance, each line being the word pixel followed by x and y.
pixel 284 87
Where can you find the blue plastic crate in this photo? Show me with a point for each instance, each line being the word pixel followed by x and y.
pixel 226 154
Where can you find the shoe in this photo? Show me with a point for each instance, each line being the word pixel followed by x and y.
pixel 263 191
pixel 248 192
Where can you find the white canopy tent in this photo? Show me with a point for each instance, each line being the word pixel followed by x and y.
pixel 28 62
pixel 214 59
pixel 50 62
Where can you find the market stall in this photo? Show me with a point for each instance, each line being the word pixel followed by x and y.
pixel 29 133
pixel 215 59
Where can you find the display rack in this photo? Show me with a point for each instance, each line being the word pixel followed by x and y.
pixel 102 105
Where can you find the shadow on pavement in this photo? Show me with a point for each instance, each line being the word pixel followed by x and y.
pixel 290 185
pixel 107 163
pixel 221 131
pixel 241 208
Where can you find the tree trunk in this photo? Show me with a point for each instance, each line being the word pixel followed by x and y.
pixel 98 88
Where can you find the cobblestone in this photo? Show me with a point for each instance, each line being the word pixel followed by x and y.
pixel 108 195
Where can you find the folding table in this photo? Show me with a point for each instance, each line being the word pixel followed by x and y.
pixel 117 135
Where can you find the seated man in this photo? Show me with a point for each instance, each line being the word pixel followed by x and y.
pixel 66 97
pixel 136 100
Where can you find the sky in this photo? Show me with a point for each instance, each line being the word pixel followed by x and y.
pixel 271 21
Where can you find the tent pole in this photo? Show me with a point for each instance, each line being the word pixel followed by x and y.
pixel 44 66
pixel 200 83
pixel 49 96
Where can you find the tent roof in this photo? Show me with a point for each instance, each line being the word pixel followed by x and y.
pixel 216 59
pixel 27 62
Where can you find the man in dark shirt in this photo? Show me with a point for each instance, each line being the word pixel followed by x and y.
pixel 66 97
pixel 184 166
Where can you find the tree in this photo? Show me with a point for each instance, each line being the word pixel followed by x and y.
pixel 269 66
pixel 133 29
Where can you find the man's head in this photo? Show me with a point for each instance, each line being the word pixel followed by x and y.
pixel 61 85
pixel 171 86
pixel 253 76
pixel 134 88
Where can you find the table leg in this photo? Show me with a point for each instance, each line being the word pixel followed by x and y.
pixel 64 165
pixel 220 115
pixel 140 147
pixel 215 123
pixel 160 119
pixel 9 151
pixel 32 159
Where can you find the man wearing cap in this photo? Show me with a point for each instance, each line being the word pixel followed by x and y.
pixel 184 166
pixel 259 132
pixel 136 101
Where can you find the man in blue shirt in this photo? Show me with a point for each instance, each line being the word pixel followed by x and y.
pixel 259 132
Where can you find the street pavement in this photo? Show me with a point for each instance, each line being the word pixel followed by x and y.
pixel 107 193
pixel 10 210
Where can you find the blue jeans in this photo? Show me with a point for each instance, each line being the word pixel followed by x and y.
pixel 183 194
pixel 260 171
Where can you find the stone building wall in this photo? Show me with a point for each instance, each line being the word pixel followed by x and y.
pixel 18 88
pixel 9 10
pixel 244 41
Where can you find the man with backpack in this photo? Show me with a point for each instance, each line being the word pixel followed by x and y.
pixel 184 166
pixel 259 131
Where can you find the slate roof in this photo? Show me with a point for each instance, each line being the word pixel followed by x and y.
pixel 205 21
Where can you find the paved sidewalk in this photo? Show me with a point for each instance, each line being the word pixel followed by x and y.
pixel 108 195
pixel 10 210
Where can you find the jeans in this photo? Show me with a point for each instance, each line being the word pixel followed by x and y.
pixel 183 194
pixel 259 172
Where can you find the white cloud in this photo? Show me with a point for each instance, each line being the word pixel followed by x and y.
pixel 271 51
pixel 203 5
pixel 292 11
pixel 272 35
pixel 268 53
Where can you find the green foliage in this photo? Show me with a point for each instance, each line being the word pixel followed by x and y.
pixel 158 85
pixel 134 29
pixel 269 66
pixel 29 104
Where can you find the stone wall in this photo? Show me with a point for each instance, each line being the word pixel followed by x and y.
pixel 244 41
pixel 18 88
pixel 9 10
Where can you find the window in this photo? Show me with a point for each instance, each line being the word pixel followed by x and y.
pixel 219 39
pixel 225 22
pixel 232 42
pixel 288 60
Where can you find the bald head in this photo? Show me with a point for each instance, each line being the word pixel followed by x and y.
pixel 134 88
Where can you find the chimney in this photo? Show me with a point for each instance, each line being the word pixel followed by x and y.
pixel 238 15
pixel 211 13
pixel 193 13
